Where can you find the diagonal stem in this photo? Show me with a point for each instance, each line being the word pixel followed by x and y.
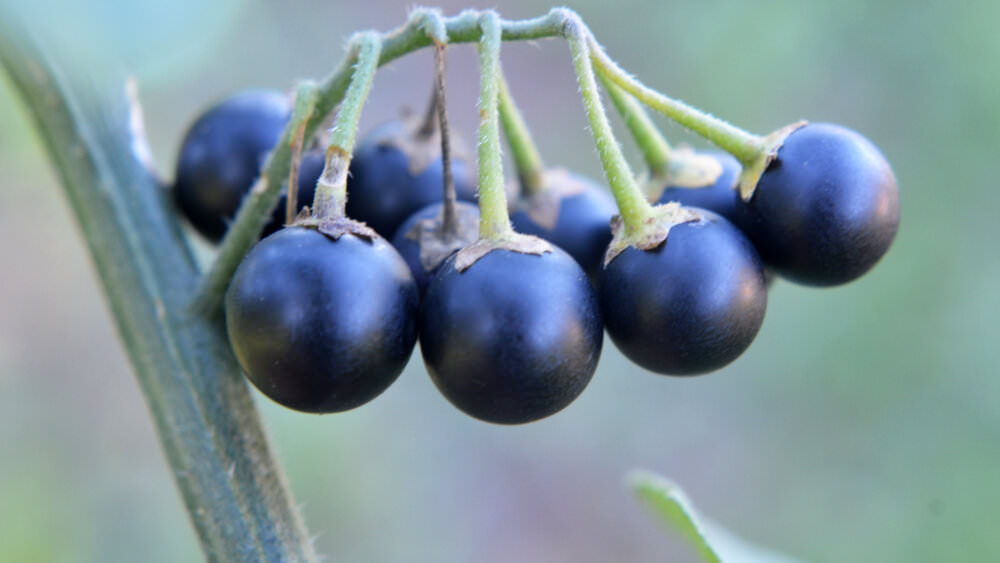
pixel 746 147
pixel 526 156
pixel 655 149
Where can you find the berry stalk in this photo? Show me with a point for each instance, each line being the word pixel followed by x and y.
pixel 527 159
pixel 655 148
pixel 494 222
pixel 741 144
pixel 449 220
pixel 331 189
pixel 632 204
pixel 755 152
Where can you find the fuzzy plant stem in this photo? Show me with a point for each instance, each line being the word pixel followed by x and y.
pixel 632 204
pixel 746 147
pixel 654 147
pixel 527 159
pixel 331 188
pixel 494 223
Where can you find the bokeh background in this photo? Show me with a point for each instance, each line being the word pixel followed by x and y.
pixel 863 425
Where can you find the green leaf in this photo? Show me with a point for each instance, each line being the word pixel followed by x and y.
pixel 712 542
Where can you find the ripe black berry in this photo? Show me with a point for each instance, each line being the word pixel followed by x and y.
pixel 388 184
pixel 689 306
pixel 221 156
pixel 572 212
pixel 321 325
pixel 514 338
pixel 827 208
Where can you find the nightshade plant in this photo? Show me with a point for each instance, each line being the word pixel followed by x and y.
pixel 820 225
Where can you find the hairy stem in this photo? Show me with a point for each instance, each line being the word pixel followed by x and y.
pixel 331 188
pixel 654 147
pixel 632 204
pixel 746 147
pixel 494 223
pixel 526 156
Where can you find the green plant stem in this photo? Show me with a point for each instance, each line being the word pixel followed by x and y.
pixel 494 222
pixel 632 204
pixel 746 147
pixel 331 189
pixel 526 156
pixel 201 407
pixel 654 147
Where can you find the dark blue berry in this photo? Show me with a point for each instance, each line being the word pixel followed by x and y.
pixel 827 208
pixel 514 338
pixel 321 325
pixel 691 305
pixel 222 154
pixel 383 190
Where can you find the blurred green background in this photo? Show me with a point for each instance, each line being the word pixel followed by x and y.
pixel 863 425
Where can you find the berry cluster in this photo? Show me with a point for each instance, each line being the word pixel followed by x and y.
pixel 510 302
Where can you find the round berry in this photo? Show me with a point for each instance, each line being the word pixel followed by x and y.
pixel 691 305
pixel 387 184
pixel 221 156
pixel 321 325
pixel 577 219
pixel 826 209
pixel 410 243
pixel 514 338
pixel 721 196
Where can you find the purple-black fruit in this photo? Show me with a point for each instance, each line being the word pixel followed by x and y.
pixel 321 325
pixel 826 209
pixel 689 306
pixel 514 338
pixel 222 154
